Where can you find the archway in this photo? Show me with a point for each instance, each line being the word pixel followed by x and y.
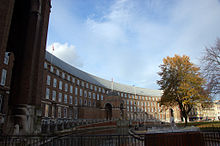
pixel 108 111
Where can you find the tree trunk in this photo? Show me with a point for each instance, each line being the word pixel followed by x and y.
pixel 185 117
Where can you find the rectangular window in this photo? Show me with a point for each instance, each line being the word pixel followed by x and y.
pixel 89 94
pixel 75 114
pixel 54 96
pixel 78 82
pixel 73 80
pixel 85 102
pixel 54 83
pixel 87 85
pixel 60 85
pixel 76 91
pixel 127 102
pixel 48 80
pixel 99 89
pixel 93 95
pixel 68 77
pixel 60 97
pixel 97 96
pixel 65 98
pixel 125 95
pixel 95 88
pixel 1 103
pixel 71 89
pixel 59 112
pixel 101 97
pixel 46 110
pixel 80 92
pixel 128 108
pixel 91 87
pixel 51 68
pixel 103 90
pixel 66 87
pixel 82 84
pixel 45 65
pixel 70 113
pixel 57 72
pixel 131 109
pixel 76 102
pixel 121 94
pixel 89 104
pixel 80 101
pixel 85 93
pixel 63 75
pixel 47 93
pixel 53 111
pixel 71 100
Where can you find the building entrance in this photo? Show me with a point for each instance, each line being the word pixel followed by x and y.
pixel 108 111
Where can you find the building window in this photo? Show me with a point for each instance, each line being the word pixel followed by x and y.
pixel 70 113
pixel 46 110
pixel 78 82
pixel 76 91
pixel 47 93
pixel 76 101
pixel 131 109
pixel 87 85
pixel 48 80
pixel 64 112
pixel 80 92
pixel 85 93
pixel 131 102
pixel 85 102
pixel 99 89
pixel 57 72
pixel 63 75
pixel 54 83
pixel 91 87
pixel 80 101
pixel 94 103
pixel 66 87
pixel 101 97
pixel 60 97
pixel 53 112
pixel 95 88
pixel 54 96
pixel 59 112
pixel 1 103
pixel 125 95
pixel 65 98
pixel 127 102
pixel 93 95
pixel 73 80
pixel 71 89
pixel 68 77
pixel 89 104
pixel 97 96
pixel 103 90
pixel 89 94
pixel 60 85
pixel 75 114
pixel 128 108
pixel 121 94
pixel 45 65
pixel 51 68
pixel 82 84
pixel 71 100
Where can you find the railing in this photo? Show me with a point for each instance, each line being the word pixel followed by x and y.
pixel 211 138
pixel 88 140
pixel 207 139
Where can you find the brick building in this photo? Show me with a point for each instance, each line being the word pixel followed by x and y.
pixel 72 96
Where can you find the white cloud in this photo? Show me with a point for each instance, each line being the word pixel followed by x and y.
pixel 130 39
pixel 65 52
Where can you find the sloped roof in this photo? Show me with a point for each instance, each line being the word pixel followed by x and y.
pixel 99 81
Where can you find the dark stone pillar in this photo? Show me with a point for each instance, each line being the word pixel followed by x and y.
pixel 27 40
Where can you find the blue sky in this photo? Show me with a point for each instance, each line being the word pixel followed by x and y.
pixel 127 39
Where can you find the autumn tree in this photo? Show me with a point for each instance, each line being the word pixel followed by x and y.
pixel 211 68
pixel 181 83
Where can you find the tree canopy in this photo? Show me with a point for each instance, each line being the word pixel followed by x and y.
pixel 181 83
pixel 211 68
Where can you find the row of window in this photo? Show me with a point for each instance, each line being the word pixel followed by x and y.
pixel 85 84
pixel 63 97
pixel 136 109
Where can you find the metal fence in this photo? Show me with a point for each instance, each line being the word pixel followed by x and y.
pixel 208 139
pixel 211 138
